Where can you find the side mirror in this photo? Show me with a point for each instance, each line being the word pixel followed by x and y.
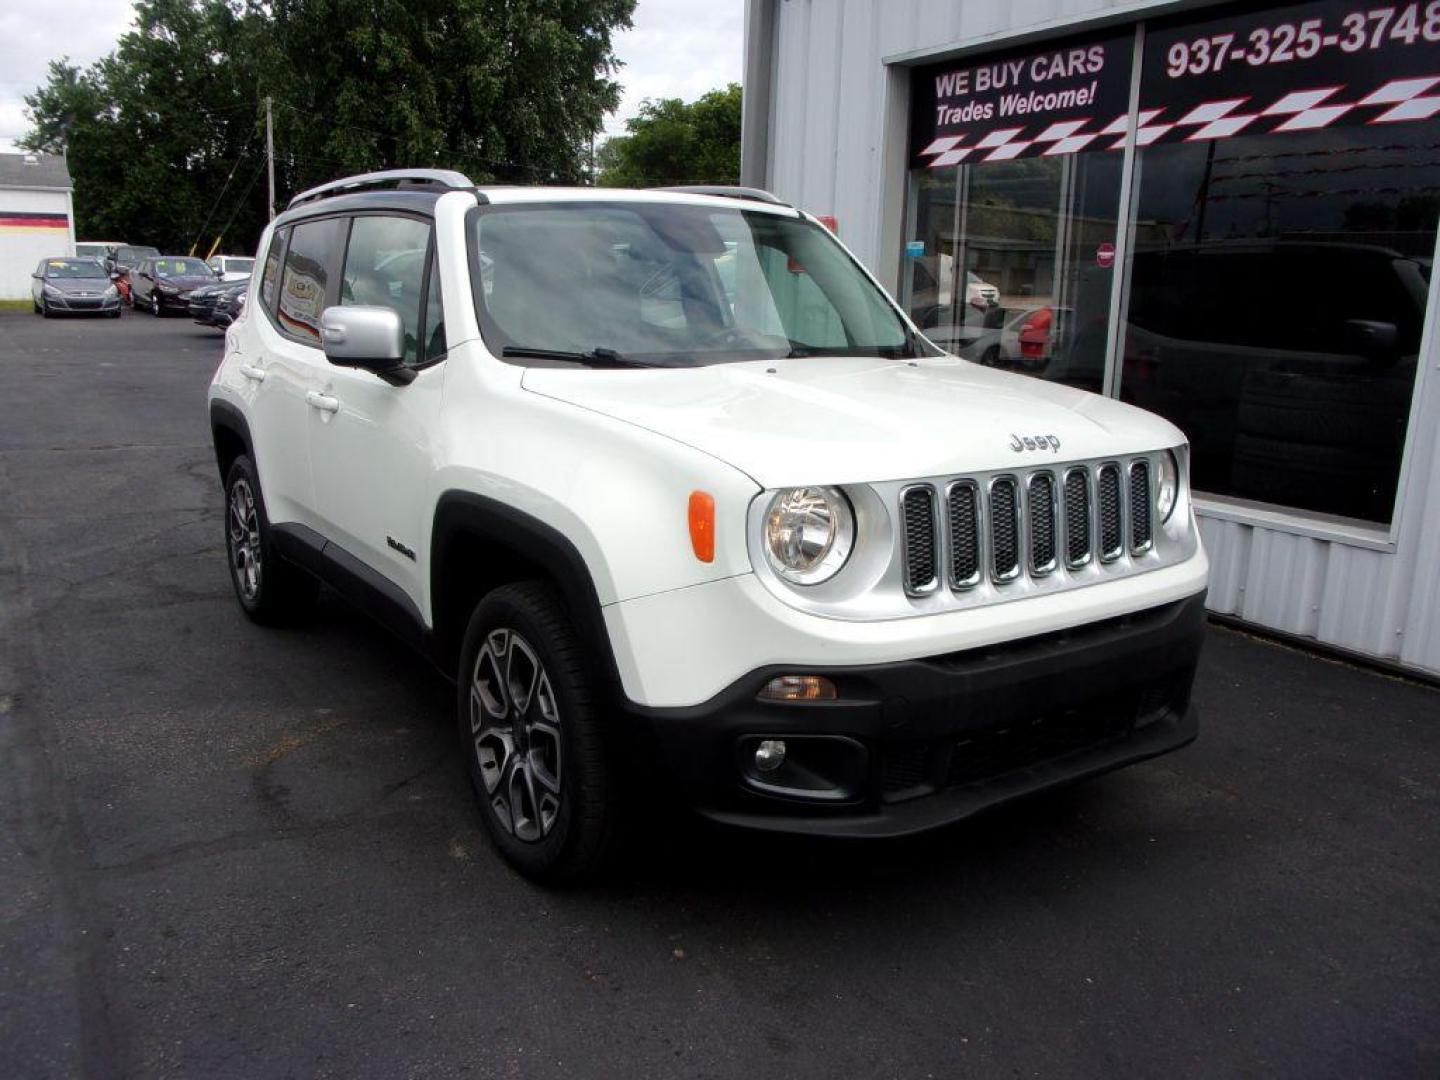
pixel 1370 339
pixel 369 338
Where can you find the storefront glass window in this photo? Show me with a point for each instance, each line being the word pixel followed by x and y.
pixel 1282 221
pixel 1012 248
pixel 1279 279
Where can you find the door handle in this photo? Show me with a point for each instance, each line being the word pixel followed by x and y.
pixel 253 373
pixel 322 402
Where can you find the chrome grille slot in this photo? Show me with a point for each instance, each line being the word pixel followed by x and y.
pixel 917 511
pixel 1140 533
pixel 1040 510
pixel 1112 540
pixel 1004 529
pixel 1077 517
pixel 963 507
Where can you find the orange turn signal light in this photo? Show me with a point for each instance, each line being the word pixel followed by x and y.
pixel 799 688
pixel 702 525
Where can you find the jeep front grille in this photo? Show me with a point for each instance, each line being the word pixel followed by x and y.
pixel 1031 524
pixel 965 557
pixel 917 505
pixel 1139 506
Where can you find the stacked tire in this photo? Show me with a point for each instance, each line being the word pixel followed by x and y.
pixel 1322 441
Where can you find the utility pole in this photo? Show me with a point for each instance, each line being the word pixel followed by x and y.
pixel 270 154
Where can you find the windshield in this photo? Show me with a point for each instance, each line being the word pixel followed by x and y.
pixel 672 285
pixel 75 268
pixel 131 256
pixel 167 268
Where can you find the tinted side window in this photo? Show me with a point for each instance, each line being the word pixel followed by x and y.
pixel 309 270
pixel 385 267
pixel 272 269
pixel 434 316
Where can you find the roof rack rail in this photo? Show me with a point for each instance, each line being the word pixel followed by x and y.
pixel 728 191
pixel 404 178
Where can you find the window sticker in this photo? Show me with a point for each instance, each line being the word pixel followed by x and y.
pixel 1334 63
pixel 1043 102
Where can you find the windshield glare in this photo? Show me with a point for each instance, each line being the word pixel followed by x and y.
pixel 75 268
pixel 674 285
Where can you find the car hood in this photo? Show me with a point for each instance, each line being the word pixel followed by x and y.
pixel 70 286
pixel 189 281
pixel 833 420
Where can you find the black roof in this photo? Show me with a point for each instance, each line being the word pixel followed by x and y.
pixel 34 170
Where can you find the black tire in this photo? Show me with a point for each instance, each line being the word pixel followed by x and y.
pixel 579 835
pixel 278 591
pixel 115 314
pixel 45 310
pixel 1348 481
pixel 155 308
pixel 1367 410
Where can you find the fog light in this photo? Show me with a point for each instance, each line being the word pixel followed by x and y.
pixel 799 688
pixel 770 755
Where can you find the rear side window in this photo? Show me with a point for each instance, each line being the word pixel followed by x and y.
pixel 310 264
pixel 272 269
pixel 385 267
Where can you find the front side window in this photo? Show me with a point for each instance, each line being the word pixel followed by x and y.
pixel 385 267
pixel 435 346
pixel 673 285
pixel 310 265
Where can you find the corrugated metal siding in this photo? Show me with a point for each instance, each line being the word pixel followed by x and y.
pixel 825 151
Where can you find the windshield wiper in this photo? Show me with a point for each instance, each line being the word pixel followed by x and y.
pixel 593 358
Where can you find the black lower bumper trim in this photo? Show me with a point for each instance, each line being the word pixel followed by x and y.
pixel 945 736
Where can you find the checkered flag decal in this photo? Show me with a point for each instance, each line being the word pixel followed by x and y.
pixel 1302 110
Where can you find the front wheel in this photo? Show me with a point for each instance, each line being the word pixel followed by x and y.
pixel 155 304
pixel 532 738
pixel 270 590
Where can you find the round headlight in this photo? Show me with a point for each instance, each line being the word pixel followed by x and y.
pixel 1168 494
pixel 808 534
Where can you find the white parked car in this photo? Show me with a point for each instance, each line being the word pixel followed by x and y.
pixel 232 267
pixel 745 530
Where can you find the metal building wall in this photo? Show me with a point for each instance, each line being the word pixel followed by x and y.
pixel 831 148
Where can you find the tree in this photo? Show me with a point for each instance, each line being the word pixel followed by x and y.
pixel 165 135
pixel 670 142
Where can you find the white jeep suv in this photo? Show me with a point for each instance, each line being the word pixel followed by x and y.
pixel 670 487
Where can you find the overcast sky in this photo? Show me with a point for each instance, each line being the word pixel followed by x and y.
pixel 679 48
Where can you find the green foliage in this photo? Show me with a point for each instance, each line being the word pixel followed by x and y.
pixel 671 142
pixel 165 137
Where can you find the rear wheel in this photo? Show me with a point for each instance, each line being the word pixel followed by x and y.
pixel 270 590
pixel 532 739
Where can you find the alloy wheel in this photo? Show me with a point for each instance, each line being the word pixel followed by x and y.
pixel 243 532
pixel 515 729
pixel 155 303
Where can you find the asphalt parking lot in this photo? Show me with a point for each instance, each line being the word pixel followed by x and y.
pixel 232 852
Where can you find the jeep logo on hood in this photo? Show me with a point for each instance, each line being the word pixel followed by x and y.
pixel 1019 443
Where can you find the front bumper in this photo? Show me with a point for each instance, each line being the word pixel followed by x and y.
pixel 916 744
pixel 77 305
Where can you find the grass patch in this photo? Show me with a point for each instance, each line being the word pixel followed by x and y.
pixel 15 305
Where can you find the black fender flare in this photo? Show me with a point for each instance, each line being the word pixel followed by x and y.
pixel 464 513
pixel 226 417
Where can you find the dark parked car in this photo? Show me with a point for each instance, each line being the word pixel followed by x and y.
pixel 72 286
pixel 165 283
pixel 229 306
pixel 204 300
